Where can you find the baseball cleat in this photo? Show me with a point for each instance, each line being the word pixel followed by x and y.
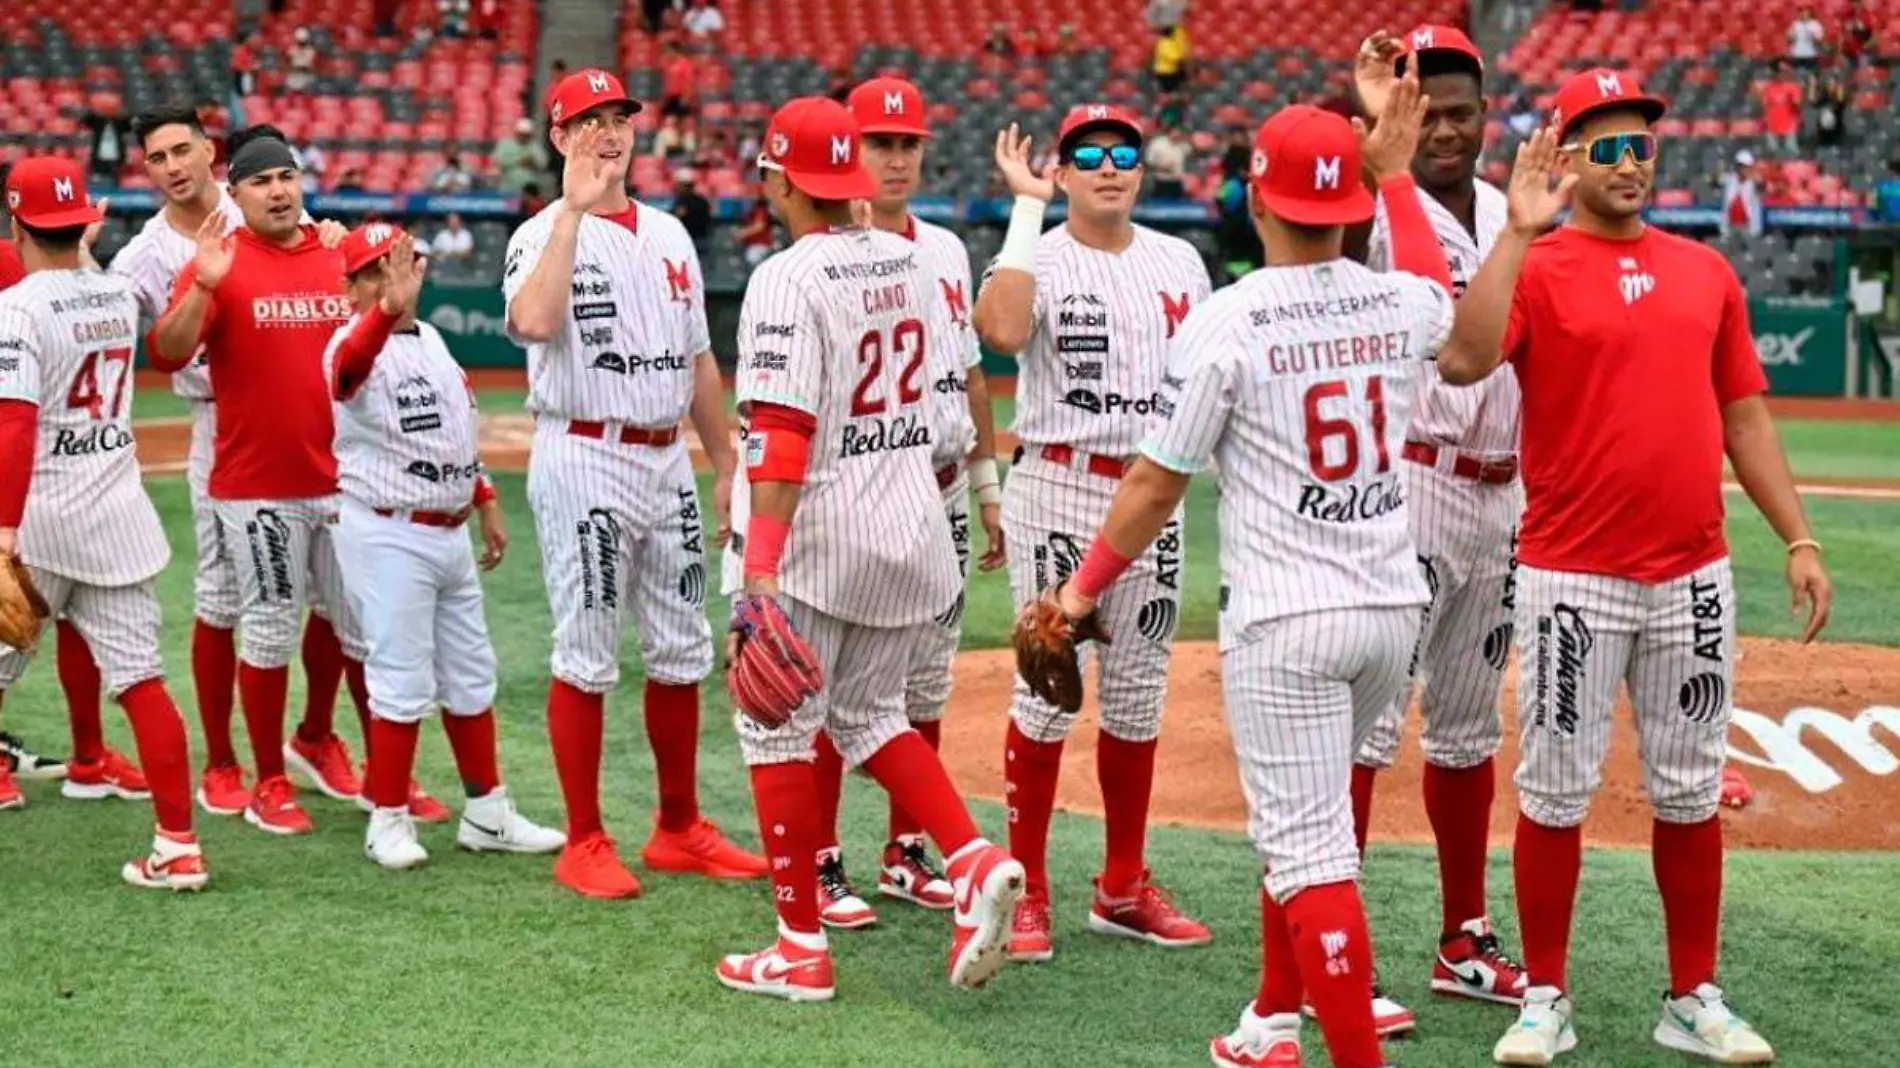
pixel 222 791
pixel 1470 964
pixel 701 849
pixel 838 903
pixel 274 809
pixel 24 762
pixel 326 764
pixel 1030 937
pixel 424 808
pixel 1542 1030
pixel 591 867
pixel 784 970
pixel 1259 1042
pixel 10 795
pixel 909 876
pixel 172 865
pixel 1147 915
pixel 1388 1017
pixel 1701 1023
pixel 391 840
pixel 491 824
pixel 989 882
pixel 110 776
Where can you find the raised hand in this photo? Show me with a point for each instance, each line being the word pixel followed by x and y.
pixel 331 233
pixel 1533 203
pixel 586 179
pixel 1012 158
pixel 402 276
pixel 215 252
pixel 1374 72
pixel 1389 147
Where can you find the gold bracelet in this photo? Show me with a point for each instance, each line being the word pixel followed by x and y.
pixel 1803 543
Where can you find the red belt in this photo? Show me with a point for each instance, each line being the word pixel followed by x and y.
pixel 947 474
pixel 629 435
pixel 1064 456
pixel 1464 464
pixel 449 520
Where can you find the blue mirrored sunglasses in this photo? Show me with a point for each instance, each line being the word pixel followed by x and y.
pixel 1608 150
pixel 1090 157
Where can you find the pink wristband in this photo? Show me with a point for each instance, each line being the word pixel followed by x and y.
pixel 765 545
pixel 1100 567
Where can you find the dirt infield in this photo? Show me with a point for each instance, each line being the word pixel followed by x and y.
pixel 1815 730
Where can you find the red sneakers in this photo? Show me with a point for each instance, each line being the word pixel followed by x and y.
pixel 591 867
pixel 701 850
pixel 785 970
pixel 326 764
pixel 110 776
pixel 1471 964
pixel 1147 914
pixel 10 795
pixel 274 809
pixel 424 808
pixel 988 882
pixel 1030 940
pixel 222 791
pixel 172 865
pixel 909 875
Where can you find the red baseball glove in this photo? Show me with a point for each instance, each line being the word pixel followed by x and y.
pixel 773 670
pixel 1045 641
pixel 23 611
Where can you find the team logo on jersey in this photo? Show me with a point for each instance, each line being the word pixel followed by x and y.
pixel 1563 644
pixel 1082 343
pixel 101 438
pixel 1084 399
pixel 1635 284
pixel 1497 646
pixel 1168 555
pixel 679 282
pixel 692 584
pixel 1351 502
pixel 884 435
pixel 1705 607
pixel 584 312
pixel 424 470
pixel 269 538
pixel 1086 371
pixel 1056 560
pixel 300 309
pixel 952 382
pixel 1157 619
pixel 417 404
pixel 691 530
pixel 610 361
pixel 599 543
pixel 1703 698
pixel 955 301
pixel 1175 310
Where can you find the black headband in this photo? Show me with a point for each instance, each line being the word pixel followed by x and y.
pixel 256 157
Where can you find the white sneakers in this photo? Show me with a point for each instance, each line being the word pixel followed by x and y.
pixel 1542 1030
pixel 1259 1042
pixel 1700 1022
pixel 391 839
pixel 491 824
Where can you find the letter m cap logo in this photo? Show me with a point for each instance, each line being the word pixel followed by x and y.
pixel 1609 84
pixel 597 81
pixel 1097 111
pixel 894 103
pixel 841 149
pixel 63 188
pixel 1325 172
pixel 1421 40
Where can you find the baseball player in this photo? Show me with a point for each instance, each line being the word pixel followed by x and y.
pixel 1088 309
pixel 890 114
pixel 262 302
pixel 846 533
pixel 606 294
pixel 72 507
pixel 1297 382
pixel 410 475
pixel 1463 501
pixel 1639 372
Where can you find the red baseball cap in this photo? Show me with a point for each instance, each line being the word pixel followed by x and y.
pixel 814 141
pixel 585 90
pixel 1087 118
pixel 1306 168
pixel 888 106
pixel 49 193
pixel 1445 43
pixel 1600 89
pixel 366 244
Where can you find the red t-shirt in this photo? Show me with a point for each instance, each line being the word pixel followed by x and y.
pixel 270 320
pixel 679 77
pixel 1627 351
pixel 11 269
pixel 1781 107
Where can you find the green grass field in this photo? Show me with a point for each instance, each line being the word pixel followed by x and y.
pixel 302 951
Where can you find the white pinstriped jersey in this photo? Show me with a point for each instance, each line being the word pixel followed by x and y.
pixel 406 439
pixel 1480 417
pixel 946 266
pixel 635 321
pixel 66 344
pixel 151 262
pixel 1103 322
pixel 1297 382
pixel 839 326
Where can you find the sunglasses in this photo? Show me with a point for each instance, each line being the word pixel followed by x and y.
pixel 1090 157
pixel 1608 150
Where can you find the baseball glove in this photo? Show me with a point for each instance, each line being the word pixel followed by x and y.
pixel 773 670
pixel 23 611
pixel 1045 641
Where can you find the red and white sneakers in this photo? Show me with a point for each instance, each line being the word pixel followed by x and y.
pixel 326 764
pixel 112 775
pixel 989 882
pixel 222 791
pixel 173 865
pixel 1259 1042
pixel 1147 914
pixel 784 969
pixel 1471 964
pixel 909 875
pixel 274 809
pixel 839 905
pixel 1031 940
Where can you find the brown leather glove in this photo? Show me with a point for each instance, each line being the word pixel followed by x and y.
pixel 23 611
pixel 1045 641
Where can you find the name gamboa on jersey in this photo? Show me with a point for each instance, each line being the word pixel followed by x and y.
pixel 151 262
pixel 840 326
pixel 66 345
pixel 946 266
pixel 636 318
pixel 405 439
pixel 1297 382
pixel 1103 322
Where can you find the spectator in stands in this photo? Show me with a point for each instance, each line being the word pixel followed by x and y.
pixel 704 21
pixel 1171 56
pixel 679 82
pixel 1239 241
pixel 676 140
pixel 244 67
pixel 454 246
pixel 519 160
pixel 533 200
pixel 652 15
pixel 452 177
pixel 1163 14
pixel 1887 194
pixel 1781 100
pixel 1521 117
pixel 750 145
pixel 486 19
pixel 1830 111
pixel 1166 157
pixel 1066 44
pixel 383 16
pixel 691 207
pixel 1029 44
pixel 999 43
pixel 303 63
pixel 1805 36
pixel 111 135
pixel 351 181
pixel 755 233
pixel 1857 34
pixel 715 152
pixel 1741 196
pixel 452 16
pixel 313 162
pixel 841 84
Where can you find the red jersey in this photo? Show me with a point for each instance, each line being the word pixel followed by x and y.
pixel 679 77
pixel 270 320
pixel 1626 351
pixel 1781 107
pixel 11 269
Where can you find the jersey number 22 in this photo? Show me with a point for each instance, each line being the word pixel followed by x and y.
pixel 907 340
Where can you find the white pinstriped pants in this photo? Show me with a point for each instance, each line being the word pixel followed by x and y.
pixel 927 687
pixel 1302 692
pixel 1580 635
pixel 285 556
pixel 119 623
pixel 214 586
